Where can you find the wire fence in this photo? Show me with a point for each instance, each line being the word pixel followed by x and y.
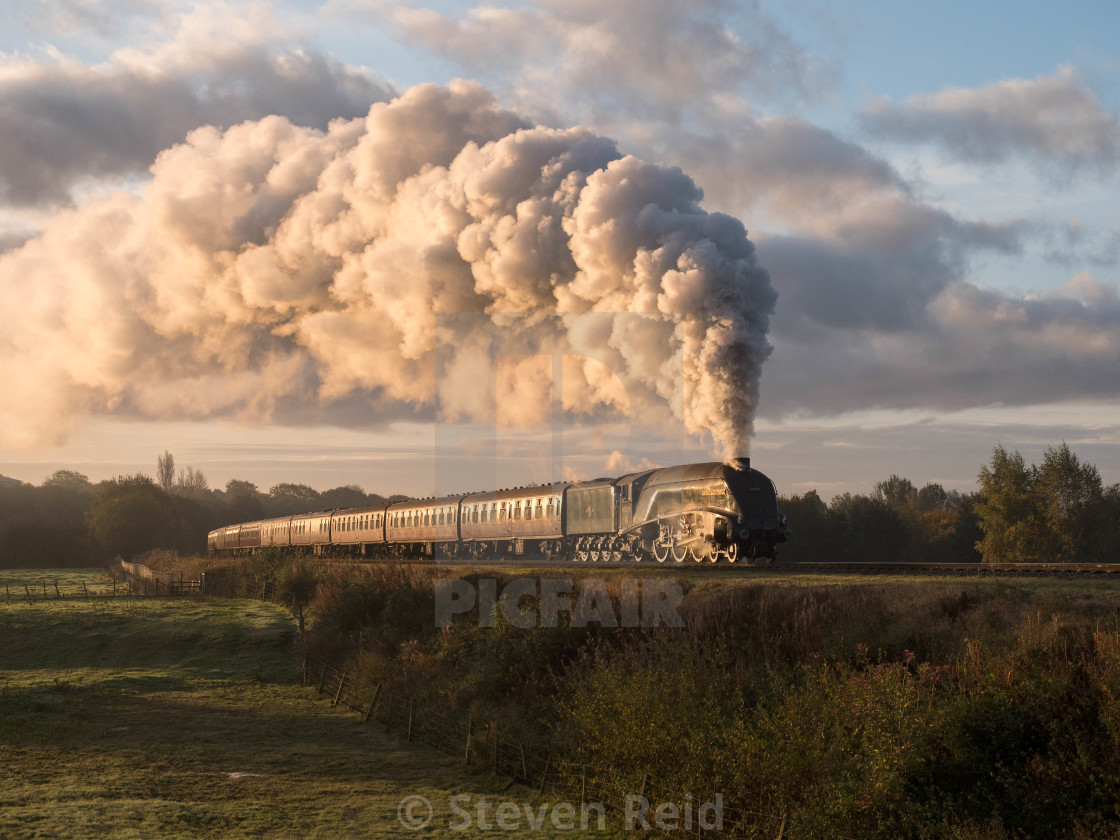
pixel 69 588
pixel 479 744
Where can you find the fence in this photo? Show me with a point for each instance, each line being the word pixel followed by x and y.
pixel 480 744
pixel 147 581
pixel 44 590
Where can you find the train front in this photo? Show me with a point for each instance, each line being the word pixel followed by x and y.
pixel 759 528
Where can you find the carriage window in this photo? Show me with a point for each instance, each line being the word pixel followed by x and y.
pixel 441 522
pixel 540 511
pixel 502 513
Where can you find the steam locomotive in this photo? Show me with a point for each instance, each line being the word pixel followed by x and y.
pixel 708 512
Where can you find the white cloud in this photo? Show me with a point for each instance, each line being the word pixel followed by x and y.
pixel 1053 120
pixel 64 122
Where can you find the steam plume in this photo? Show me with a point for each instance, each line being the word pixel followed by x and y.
pixel 380 269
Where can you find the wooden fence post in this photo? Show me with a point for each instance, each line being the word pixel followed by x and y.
pixel 408 732
pixel 497 742
pixel 84 590
pixel 338 694
pixel 389 713
pixel 467 749
pixel 544 775
pixel 57 594
pixel 28 591
pixel 7 592
pixel 373 702
pixel 322 679
pixel 583 785
pixel 524 767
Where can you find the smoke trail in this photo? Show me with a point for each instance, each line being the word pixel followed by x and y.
pixel 376 270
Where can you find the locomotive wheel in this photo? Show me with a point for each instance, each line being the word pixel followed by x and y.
pixel 680 552
pixel 660 552
pixel 731 552
pixel 704 551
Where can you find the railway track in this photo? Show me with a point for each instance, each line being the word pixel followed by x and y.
pixel 1007 570
pixel 1013 570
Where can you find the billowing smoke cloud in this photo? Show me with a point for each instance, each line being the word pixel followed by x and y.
pixel 389 266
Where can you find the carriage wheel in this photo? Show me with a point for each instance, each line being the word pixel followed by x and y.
pixel 660 552
pixel 732 552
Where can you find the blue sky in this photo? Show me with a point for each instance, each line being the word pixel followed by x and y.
pixel 931 188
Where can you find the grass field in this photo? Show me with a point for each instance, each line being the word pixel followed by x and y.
pixel 18 584
pixel 146 718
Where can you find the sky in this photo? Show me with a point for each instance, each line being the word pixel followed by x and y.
pixel 428 248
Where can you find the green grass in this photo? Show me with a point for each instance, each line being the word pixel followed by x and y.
pixel 142 718
pixel 41 583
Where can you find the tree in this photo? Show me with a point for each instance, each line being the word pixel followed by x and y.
pixel 1007 510
pixel 165 471
pixel 69 480
pixel 192 484
pixel 349 495
pixel 1071 499
pixel 244 500
pixel 1058 512
pixel 297 586
pixel 132 515
pixel 897 492
pixel 815 534
pixel 870 530
pixel 932 497
pixel 292 498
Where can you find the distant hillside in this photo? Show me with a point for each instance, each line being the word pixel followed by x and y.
pixel 5 480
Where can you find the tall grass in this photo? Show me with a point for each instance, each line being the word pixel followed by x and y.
pixel 905 709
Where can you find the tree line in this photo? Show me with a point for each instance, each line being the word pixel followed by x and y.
pixel 1056 511
pixel 70 521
